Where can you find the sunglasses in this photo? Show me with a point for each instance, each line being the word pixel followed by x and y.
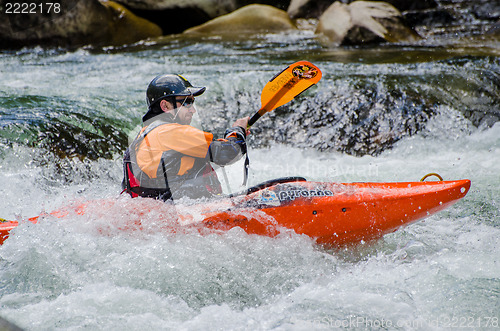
pixel 186 102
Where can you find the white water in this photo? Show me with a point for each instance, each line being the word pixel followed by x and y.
pixel 84 273
pixel 433 275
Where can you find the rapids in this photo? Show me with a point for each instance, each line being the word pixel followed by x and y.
pixel 393 113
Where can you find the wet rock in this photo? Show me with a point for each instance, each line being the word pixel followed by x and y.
pixel 404 5
pixel 479 99
pixel 425 13
pixel 483 119
pixel 484 10
pixel 308 8
pixel 363 22
pixel 212 8
pixel 364 121
pixel 175 16
pixel 315 8
pixel 127 28
pixel 428 17
pixel 494 30
pixel 74 23
pixel 59 26
pixel 249 19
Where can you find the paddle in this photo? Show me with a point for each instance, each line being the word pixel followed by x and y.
pixel 281 89
pixel 285 86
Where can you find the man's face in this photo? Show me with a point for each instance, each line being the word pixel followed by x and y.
pixel 186 110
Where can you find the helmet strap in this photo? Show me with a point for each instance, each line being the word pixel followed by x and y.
pixel 173 101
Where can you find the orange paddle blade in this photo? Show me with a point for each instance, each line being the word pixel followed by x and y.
pixel 285 86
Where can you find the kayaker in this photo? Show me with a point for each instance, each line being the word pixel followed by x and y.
pixel 170 158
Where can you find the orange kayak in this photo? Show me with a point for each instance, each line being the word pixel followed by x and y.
pixel 330 213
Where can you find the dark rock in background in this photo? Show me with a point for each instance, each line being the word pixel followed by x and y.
pixel 104 23
pixel 308 8
pixel 175 16
pixel 72 24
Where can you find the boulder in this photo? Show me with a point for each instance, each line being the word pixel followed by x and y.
pixel 75 23
pixel 175 16
pixel 308 8
pixel 126 28
pixel 212 8
pixel 315 8
pixel 363 22
pixel 249 19
pixel 404 5
pixel 428 17
pixel 494 30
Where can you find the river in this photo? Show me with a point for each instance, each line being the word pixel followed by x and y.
pixel 389 113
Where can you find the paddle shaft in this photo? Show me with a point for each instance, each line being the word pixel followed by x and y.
pixel 253 119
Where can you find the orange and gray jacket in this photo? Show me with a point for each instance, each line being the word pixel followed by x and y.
pixel 169 160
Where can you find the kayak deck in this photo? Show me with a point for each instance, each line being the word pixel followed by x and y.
pixel 334 213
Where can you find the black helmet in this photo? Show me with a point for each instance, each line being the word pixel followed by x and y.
pixel 163 86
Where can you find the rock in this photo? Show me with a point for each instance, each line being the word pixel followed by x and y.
pixel 75 23
pixel 363 121
pixel 362 22
pixel 308 8
pixel 334 23
pixel 249 19
pixel 404 5
pixel 422 13
pixel 485 10
pixel 175 16
pixel 494 30
pixel 127 28
pixel 428 17
pixel 212 8
pixel 59 26
pixel 315 8
pixel 483 119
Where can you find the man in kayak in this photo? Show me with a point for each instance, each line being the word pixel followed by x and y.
pixel 170 158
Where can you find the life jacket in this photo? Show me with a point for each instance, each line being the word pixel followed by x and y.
pixel 177 174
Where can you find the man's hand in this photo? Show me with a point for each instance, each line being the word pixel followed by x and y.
pixel 242 122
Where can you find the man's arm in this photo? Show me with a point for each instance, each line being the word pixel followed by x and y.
pixel 230 149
